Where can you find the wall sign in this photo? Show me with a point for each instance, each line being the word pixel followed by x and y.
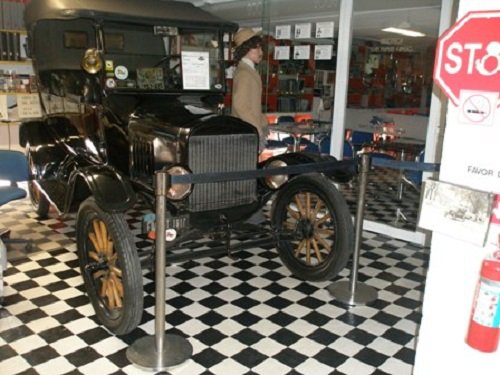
pixel 283 32
pixel 477 107
pixel 282 52
pixel 301 52
pixel 323 52
pixel 468 55
pixel 325 29
pixel 302 31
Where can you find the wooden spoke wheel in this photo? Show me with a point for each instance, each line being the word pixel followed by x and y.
pixel 104 266
pixel 316 234
pixel 110 267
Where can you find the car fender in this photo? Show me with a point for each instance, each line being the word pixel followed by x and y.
pixel 344 174
pixel 112 191
pixel 34 133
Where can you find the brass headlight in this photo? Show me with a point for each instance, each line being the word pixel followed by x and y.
pixel 92 61
pixel 275 182
pixel 178 191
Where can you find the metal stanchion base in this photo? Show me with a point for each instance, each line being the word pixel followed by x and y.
pixel 143 354
pixel 363 295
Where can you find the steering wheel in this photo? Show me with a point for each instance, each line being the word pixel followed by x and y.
pixel 173 76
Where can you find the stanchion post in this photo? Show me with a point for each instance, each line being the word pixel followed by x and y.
pixel 353 292
pixel 161 351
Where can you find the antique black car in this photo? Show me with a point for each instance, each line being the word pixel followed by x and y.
pixel 129 88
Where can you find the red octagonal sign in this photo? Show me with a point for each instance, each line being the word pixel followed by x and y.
pixel 468 55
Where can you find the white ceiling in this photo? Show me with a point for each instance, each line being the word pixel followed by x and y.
pixel 369 17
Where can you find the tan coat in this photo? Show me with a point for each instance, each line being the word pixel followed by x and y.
pixel 246 101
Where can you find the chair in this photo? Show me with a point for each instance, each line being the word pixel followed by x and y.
pixel 272 119
pixel 324 145
pixel 414 178
pixel 285 118
pixel 360 138
pixel 348 151
pixel 304 144
pixel 304 117
pixel 13 169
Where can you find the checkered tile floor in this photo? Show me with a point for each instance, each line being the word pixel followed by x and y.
pixel 242 316
pixel 382 204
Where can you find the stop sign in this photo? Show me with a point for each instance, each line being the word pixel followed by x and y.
pixel 468 55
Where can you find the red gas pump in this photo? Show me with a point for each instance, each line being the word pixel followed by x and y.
pixel 484 325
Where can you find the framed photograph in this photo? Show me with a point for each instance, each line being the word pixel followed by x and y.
pixel 302 30
pixel 283 32
pixel 456 211
pixel 323 52
pixel 325 29
pixel 301 52
pixel 282 53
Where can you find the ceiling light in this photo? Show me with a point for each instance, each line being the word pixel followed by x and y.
pixel 404 28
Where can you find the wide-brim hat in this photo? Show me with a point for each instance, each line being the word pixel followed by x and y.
pixel 243 35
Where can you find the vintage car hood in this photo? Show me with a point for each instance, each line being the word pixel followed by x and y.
pixel 180 112
pixel 176 111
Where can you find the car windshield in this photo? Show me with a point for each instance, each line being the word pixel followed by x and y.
pixel 162 58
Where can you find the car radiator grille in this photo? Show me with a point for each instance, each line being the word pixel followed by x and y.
pixel 222 153
pixel 142 158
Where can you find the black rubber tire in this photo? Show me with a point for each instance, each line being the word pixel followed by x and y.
pixel 39 202
pixel 316 234
pixel 111 272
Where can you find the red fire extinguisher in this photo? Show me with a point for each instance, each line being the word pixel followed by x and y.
pixel 484 325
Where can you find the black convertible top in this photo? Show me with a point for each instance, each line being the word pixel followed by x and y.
pixel 144 11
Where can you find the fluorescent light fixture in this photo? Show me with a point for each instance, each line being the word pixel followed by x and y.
pixel 404 28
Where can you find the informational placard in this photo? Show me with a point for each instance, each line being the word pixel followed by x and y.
pixel 4 110
pixel 458 211
pixel 301 52
pixel 323 52
pixel 195 70
pixel 302 30
pixel 282 52
pixel 283 32
pixel 474 128
pixel 325 29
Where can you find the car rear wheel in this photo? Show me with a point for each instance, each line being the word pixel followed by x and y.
pixel 110 267
pixel 316 234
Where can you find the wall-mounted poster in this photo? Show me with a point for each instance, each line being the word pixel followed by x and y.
pixel 325 29
pixel 195 70
pixel 282 53
pixel 457 211
pixel 301 52
pixel 28 106
pixel 302 31
pixel 283 32
pixel 323 52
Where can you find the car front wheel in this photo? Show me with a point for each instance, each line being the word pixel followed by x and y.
pixel 110 267
pixel 315 230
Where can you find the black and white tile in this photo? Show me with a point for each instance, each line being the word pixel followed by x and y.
pixel 382 199
pixel 247 315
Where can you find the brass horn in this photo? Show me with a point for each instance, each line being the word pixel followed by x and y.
pixel 92 61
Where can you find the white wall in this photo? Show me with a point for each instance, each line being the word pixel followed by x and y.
pixel 9 136
pixel 454 265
